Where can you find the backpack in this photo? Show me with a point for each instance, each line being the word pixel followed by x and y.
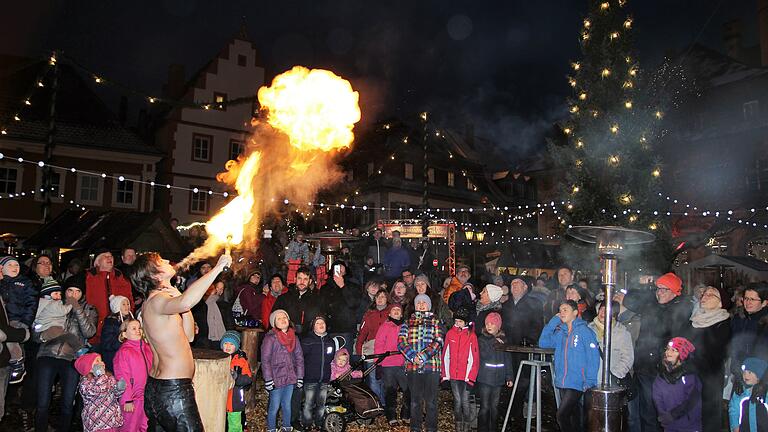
pixel 240 315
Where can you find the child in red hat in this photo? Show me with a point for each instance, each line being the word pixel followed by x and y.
pixel 101 394
pixel 677 390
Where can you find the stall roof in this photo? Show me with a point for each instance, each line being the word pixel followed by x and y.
pixel 752 266
pixel 90 229
pixel 530 255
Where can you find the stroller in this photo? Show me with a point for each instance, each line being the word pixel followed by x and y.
pixel 353 400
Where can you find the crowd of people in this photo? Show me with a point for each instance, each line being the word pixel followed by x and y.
pixel 111 337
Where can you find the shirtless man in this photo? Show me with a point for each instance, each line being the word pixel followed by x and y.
pixel 169 398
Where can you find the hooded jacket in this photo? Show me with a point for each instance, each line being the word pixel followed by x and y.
pixel 422 336
pixel 622 351
pixel 522 321
pixel 101 409
pixel 278 365
pixel 132 364
pixel 20 296
pixel 241 372
pixel 386 340
pixel 250 299
pixel 577 356
pixel 80 325
pixel 341 304
pixel 461 355
pixel 372 320
pixel 677 396
pixel 99 286
pixel 318 355
pixel 746 415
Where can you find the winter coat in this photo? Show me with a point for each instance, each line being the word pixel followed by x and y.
pixel 664 321
pixel 267 304
pixel 278 365
pixel 318 355
pixel 632 321
pixel 133 362
pixel 250 299
pixel 386 341
pixel 395 261
pixel 80 325
pixel 453 287
pixel 463 298
pixel 241 372
pixel 377 250
pixel 577 356
pixel 711 348
pixel 746 415
pixel 522 321
pixel 101 409
pixel 422 336
pixel 20 297
pixel 12 334
pixel 109 340
pixel 749 337
pixel 99 286
pixel 480 316
pixel 495 366
pixel 677 397
pixel 297 251
pixel 555 298
pixel 302 309
pixel 622 351
pixel 340 305
pixel 461 355
pixel 372 320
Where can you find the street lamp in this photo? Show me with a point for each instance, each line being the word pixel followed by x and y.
pixel 480 236
pixel 469 234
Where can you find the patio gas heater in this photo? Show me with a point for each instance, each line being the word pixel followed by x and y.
pixel 611 241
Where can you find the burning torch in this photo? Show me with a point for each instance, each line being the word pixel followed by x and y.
pixel 228 250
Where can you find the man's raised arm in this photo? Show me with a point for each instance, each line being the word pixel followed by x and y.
pixel 195 291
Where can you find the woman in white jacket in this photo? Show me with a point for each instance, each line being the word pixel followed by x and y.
pixel 622 350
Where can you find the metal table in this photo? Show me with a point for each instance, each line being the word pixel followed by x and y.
pixel 537 359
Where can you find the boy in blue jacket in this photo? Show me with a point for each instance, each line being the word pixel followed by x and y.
pixel 577 359
pixel 20 296
pixel 319 350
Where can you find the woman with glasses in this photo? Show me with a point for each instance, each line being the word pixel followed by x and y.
pixel 749 330
pixel 710 332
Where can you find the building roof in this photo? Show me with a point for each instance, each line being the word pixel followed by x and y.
pixel 716 69
pixel 82 118
pixel 90 229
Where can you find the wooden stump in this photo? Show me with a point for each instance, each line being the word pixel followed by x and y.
pixel 212 381
pixel 250 344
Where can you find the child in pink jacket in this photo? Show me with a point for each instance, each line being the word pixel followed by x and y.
pixel 132 362
pixel 100 391
pixel 392 371
pixel 461 362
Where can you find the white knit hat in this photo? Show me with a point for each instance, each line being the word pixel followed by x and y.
pixel 494 292
pixel 115 301
pixel 273 316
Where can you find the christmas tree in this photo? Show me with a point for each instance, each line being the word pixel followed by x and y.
pixel 610 173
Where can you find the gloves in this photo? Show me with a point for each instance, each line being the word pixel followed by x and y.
pixel 300 383
pixel 120 386
pixel 269 385
pixel 470 384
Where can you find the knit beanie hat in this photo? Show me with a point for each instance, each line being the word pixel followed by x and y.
pixel 683 346
pixel 77 281
pixel 6 259
pixel 274 314
pixel 462 313
pixel 84 363
pixel 50 286
pixel 755 365
pixel 115 301
pixel 423 298
pixel 493 318
pixel 671 281
pixel 494 292
pixel 232 337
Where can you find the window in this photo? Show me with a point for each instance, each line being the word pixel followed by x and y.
pixel 451 179
pixel 431 175
pixel 409 171
pixel 201 147
pixel 370 169
pixel 242 60
pixel 236 148
pixel 125 192
pixel 220 101
pixel 751 110
pixel 89 188
pixel 198 202
pixel 8 180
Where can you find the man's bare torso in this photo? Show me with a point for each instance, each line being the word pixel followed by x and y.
pixel 170 346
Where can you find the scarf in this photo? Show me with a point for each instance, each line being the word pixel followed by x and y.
pixel 397 322
pixel 704 318
pixel 599 329
pixel 490 306
pixel 381 308
pixel 216 327
pixel 286 338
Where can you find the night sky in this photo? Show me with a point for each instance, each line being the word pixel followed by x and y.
pixel 498 65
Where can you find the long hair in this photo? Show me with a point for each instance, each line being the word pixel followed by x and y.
pixel 372 306
pixel 145 271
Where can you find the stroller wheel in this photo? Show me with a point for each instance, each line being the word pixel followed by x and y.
pixel 334 422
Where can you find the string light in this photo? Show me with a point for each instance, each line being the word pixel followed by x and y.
pixel 628 23
pixel 587 23
pixel 575 65
pixel 605 72
pixel 627 84
pixel 659 114
pixel 628 104
pixel 626 199
pixel 656 172
pixel 572 82
pixel 574 109
pixel 583 95
pixel 614 128
pixel 614 35
pixel 653 226
pixel 604 5
pixel 614 160
pixel 567 131
pixel 632 72
pixel 632 218
pixel 585 36
pixel 579 144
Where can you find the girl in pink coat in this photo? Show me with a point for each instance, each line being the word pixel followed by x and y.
pixel 132 363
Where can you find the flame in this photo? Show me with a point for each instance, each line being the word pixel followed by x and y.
pixel 308 115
